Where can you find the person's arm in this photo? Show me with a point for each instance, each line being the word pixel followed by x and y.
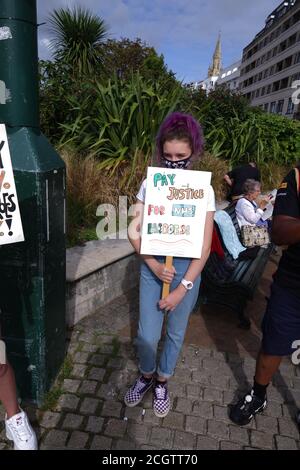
pixel 134 237
pixel 195 268
pixel 285 230
pixel 286 214
pixel 228 180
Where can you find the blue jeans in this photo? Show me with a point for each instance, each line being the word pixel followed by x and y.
pixel 151 320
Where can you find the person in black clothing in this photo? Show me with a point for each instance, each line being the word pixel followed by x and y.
pixel 237 177
pixel 281 322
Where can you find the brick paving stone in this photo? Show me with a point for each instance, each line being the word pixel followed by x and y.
pixel 219 381
pixel 79 370
pixel 71 385
pixel 219 355
pixel 274 409
pixel 211 364
pixel 184 405
pixel 195 424
pixel 183 376
pixel 162 438
pixel 96 373
pixel 90 348
pixel 201 376
pixel 213 395
pixel 56 438
pixel 296 382
pixel 81 357
pixel 261 440
pixel 131 364
pixel 289 410
pixel 89 406
pixel 72 421
pixel 239 434
pixel 174 420
pixel 266 424
pixel 88 387
pixel 107 391
pixel 206 443
pixel 116 363
pixel 150 418
pixel 94 424
pixel 50 419
pixel 134 413
pixel 139 433
pixel 111 408
pixel 184 441
pixel 177 389
pixel 125 445
pixel 68 401
pixel 101 443
pixel 115 428
pixel 87 337
pixel 78 440
pixel 107 349
pixel 274 394
pixel 220 413
pixel 193 391
pixel 287 427
pixel 202 408
pixel 226 445
pixel 292 395
pixel 285 443
pixel 98 359
pixel 218 429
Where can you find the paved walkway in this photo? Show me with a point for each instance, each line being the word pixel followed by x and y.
pixel 85 407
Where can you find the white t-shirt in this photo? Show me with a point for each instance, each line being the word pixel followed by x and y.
pixel 211 204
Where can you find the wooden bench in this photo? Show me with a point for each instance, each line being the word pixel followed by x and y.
pixel 239 286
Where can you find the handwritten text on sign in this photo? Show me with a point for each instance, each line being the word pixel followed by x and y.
pixel 175 211
pixel 11 230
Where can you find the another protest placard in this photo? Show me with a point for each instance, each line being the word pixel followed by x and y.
pixel 11 230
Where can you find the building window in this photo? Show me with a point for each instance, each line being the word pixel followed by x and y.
pixel 266 107
pixel 297 58
pixel 269 89
pixel 280 106
pixel 263 91
pixel 257 93
pixel 273 107
pixel 291 107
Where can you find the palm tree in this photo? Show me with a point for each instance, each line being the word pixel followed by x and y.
pixel 75 35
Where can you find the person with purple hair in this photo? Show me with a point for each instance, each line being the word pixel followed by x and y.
pixel 179 145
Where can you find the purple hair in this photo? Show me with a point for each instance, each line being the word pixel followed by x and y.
pixel 180 126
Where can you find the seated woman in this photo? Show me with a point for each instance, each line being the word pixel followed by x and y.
pixel 247 210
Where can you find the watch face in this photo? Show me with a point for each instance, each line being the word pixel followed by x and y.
pixel 189 285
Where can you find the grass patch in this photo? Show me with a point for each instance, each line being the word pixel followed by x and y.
pixel 52 397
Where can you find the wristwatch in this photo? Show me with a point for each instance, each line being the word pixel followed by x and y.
pixel 187 284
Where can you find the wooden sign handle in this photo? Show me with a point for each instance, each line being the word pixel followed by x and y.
pixel 166 287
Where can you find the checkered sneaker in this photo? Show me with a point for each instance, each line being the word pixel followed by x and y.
pixel 161 400
pixel 136 393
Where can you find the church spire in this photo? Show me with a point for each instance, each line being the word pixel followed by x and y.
pixel 215 68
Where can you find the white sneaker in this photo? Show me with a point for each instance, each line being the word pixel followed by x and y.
pixel 19 430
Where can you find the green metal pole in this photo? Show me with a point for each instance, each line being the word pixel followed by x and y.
pixel 32 273
pixel 19 62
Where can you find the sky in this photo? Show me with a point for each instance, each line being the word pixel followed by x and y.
pixel 184 31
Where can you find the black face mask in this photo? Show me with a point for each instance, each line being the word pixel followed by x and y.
pixel 179 165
